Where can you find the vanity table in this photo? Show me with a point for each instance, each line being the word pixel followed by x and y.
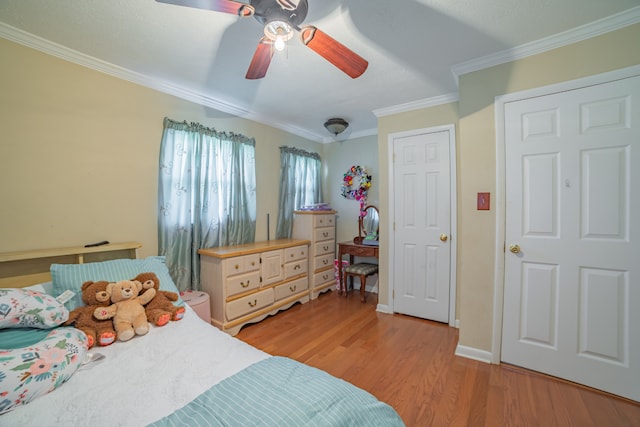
pixel 368 225
pixel 352 249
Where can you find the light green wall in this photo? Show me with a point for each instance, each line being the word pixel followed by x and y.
pixel 79 154
pixel 476 155
pixel 338 157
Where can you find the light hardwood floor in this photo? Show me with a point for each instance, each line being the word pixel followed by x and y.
pixel 410 364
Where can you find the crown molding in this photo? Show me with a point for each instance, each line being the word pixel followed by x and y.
pixel 416 105
pixel 43 45
pixel 584 32
pixel 602 26
pixel 35 42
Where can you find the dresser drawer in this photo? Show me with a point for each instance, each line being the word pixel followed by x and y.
pixel 322 261
pixel 242 283
pixel 323 248
pixel 248 304
pixel 295 253
pixel 295 268
pixel 323 277
pixel 324 221
pixel 287 289
pixel 324 233
pixel 241 264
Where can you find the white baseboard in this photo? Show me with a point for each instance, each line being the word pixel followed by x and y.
pixel 384 308
pixel 473 353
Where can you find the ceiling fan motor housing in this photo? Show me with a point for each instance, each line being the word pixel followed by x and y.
pixel 280 10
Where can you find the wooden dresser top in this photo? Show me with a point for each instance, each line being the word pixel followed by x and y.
pixel 251 248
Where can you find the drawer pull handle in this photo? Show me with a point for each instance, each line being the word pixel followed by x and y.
pixel 237 266
pixel 291 255
pixel 325 261
pixel 325 234
pixel 254 303
pixel 293 288
pixel 245 286
pixel 297 267
pixel 326 248
pixel 253 263
pixel 325 276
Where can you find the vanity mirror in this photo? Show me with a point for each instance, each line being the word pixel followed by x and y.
pixel 368 225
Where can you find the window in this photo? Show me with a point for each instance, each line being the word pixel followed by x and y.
pixel 300 185
pixel 206 195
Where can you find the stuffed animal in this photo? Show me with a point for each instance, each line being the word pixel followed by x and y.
pixel 161 309
pixel 101 332
pixel 127 310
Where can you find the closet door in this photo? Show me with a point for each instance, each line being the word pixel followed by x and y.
pixel 572 261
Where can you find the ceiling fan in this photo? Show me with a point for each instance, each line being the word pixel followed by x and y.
pixel 280 18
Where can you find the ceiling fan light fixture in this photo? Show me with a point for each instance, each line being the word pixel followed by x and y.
pixel 278 31
pixel 336 125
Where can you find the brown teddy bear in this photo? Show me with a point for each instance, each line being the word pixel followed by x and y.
pixel 127 310
pixel 101 332
pixel 161 309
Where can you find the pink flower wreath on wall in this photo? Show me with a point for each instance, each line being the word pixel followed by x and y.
pixel 355 185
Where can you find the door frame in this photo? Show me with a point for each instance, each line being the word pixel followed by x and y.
pixel 501 213
pixel 453 238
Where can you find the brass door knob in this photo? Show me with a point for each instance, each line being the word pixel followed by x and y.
pixel 514 249
pixel 444 237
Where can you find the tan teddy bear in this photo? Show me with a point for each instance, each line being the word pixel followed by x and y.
pixel 127 311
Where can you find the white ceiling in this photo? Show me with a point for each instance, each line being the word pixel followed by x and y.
pixel 415 49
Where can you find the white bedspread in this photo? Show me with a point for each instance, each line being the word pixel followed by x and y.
pixel 142 380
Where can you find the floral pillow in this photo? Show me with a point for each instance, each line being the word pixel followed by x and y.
pixel 23 308
pixel 35 370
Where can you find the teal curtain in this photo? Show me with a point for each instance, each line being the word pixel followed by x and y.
pixel 300 185
pixel 206 195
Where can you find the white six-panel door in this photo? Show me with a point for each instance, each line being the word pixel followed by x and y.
pixel 422 217
pixel 572 260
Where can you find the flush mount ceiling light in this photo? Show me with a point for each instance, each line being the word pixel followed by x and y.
pixel 336 125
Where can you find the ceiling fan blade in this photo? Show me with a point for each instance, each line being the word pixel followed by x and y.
pixel 261 59
pixel 334 51
pixel 225 6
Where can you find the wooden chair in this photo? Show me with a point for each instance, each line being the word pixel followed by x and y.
pixel 362 270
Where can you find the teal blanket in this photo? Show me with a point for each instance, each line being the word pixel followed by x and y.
pixel 282 392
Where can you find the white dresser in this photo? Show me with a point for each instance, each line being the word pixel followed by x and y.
pixel 319 227
pixel 247 283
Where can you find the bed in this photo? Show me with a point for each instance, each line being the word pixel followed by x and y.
pixel 184 373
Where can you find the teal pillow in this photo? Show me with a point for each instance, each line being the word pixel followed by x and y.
pixel 11 339
pixel 72 276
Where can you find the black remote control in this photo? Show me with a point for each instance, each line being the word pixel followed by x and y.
pixel 91 245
